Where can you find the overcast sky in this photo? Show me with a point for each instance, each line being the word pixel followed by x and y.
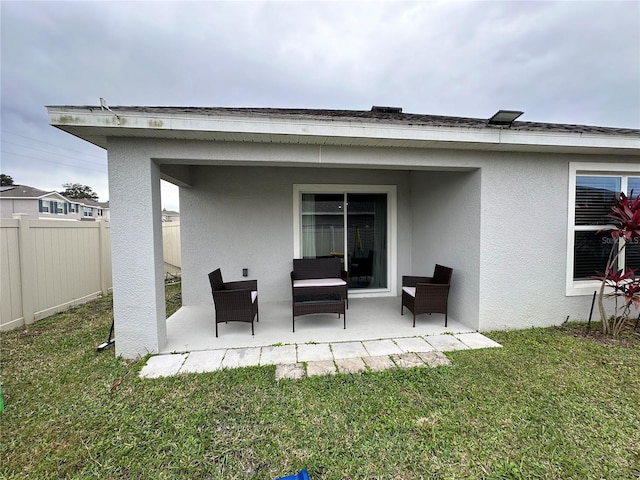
pixel 563 62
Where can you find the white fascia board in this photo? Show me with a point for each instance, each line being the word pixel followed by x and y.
pixel 271 126
pixel 587 140
pixel 109 123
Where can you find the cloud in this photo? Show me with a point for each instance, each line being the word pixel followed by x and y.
pixel 565 62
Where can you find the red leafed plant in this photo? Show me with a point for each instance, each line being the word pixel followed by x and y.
pixel 625 285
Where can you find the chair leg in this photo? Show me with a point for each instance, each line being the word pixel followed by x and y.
pixel 414 320
pixel 216 329
pixel 251 327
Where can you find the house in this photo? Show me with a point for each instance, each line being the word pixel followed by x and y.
pixel 512 206
pixel 170 215
pixel 42 204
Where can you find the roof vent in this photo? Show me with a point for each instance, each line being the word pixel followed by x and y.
pixel 379 109
pixel 504 118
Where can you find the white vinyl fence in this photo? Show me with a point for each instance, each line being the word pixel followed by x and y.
pixel 171 248
pixel 47 266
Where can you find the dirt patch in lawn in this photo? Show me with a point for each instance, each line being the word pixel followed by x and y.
pixel 629 334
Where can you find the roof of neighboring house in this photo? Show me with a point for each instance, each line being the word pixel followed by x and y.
pixel 26 192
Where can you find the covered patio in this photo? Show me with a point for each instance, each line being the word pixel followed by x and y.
pixel 192 328
pixel 259 187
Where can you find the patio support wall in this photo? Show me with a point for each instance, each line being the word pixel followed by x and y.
pixel 446 230
pixel 138 267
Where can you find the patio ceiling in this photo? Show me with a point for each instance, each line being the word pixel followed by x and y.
pixel 337 128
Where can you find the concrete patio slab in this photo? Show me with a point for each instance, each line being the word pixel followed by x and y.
pixel 476 340
pixel 241 357
pixel 191 328
pixel 278 355
pixel 414 344
pixel 321 367
pixel 163 365
pixel 291 371
pixel 382 347
pixel 311 352
pixel 205 361
pixel 445 343
pixel 380 363
pixel 348 350
pixel 350 365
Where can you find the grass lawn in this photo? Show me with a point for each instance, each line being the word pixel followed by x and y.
pixel 550 404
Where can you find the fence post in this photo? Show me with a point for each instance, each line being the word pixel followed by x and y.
pixel 27 267
pixel 105 259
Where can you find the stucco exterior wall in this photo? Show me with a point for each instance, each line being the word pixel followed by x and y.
pixel 446 230
pixel 524 242
pixel 10 206
pixel 136 249
pixel 242 217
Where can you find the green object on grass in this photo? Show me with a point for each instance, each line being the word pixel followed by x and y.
pixel 1 400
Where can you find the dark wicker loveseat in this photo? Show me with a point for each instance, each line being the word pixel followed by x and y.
pixel 318 285
pixel 427 294
pixel 234 301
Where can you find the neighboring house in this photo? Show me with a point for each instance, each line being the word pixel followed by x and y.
pixel 41 204
pixel 512 207
pixel 170 215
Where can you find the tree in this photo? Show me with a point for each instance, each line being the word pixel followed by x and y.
pixel 622 284
pixel 77 191
pixel 5 180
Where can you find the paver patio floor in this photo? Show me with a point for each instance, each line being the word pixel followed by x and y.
pixel 308 359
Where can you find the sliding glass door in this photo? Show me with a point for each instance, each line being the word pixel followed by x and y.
pixel 352 227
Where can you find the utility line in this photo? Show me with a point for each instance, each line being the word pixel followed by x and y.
pixel 51 144
pixel 49 152
pixel 52 161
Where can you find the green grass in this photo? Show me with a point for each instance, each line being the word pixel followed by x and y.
pixel 548 405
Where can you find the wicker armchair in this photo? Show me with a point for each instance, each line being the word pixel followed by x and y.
pixel 427 294
pixel 234 301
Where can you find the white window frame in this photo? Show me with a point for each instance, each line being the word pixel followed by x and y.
pixel 587 287
pixel 392 227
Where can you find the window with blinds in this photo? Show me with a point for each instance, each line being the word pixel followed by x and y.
pixel 594 197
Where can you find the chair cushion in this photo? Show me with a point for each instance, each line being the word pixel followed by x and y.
pixel 319 282
pixel 254 295
pixel 410 290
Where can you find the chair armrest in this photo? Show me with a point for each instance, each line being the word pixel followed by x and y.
pixel 412 281
pixel 242 284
